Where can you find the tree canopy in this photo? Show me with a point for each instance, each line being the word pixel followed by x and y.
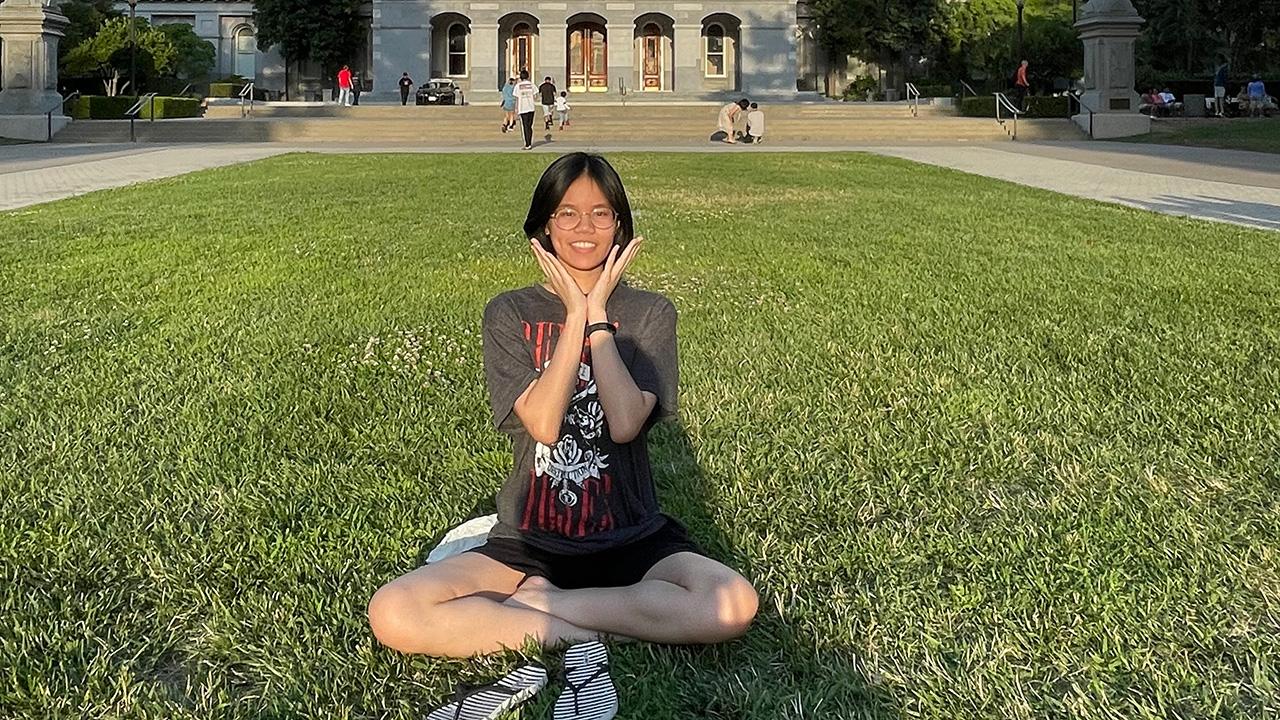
pixel 972 39
pixel 107 54
pixel 328 32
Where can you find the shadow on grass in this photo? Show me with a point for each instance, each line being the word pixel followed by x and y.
pixel 774 671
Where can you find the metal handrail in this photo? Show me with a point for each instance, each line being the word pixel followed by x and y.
pixel 185 89
pixel 246 92
pixel 967 86
pixel 1083 107
pixel 132 112
pixel 1003 101
pixel 62 105
pixel 913 99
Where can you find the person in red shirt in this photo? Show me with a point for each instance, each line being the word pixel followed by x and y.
pixel 1020 86
pixel 344 86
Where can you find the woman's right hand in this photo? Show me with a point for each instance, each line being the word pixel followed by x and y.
pixel 562 283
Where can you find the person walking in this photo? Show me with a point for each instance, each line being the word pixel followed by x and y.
pixel 547 93
pixel 406 87
pixel 344 86
pixel 509 105
pixel 562 109
pixel 1020 85
pixel 356 82
pixel 525 105
pixel 1220 88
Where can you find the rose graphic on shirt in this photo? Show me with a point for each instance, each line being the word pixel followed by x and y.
pixel 574 459
pixel 588 418
pixel 569 466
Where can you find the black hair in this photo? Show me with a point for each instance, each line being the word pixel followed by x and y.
pixel 754 106
pixel 744 103
pixel 524 74
pixel 555 182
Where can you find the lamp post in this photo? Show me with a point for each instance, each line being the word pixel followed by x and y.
pixel 133 47
pixel 1020 4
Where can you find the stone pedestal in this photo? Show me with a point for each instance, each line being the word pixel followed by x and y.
pixel 1109 29
pixel 30 30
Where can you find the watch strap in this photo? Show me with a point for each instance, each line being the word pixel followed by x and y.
pixel 593 327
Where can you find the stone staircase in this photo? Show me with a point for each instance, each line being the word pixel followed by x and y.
pixel 593 124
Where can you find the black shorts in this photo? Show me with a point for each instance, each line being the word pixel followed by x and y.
pixel 616 567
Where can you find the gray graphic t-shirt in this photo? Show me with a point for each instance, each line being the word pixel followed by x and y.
pixel 585 493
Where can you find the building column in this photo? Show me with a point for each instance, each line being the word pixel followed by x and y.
pixel 484 52
pixel 401 43
pixel 553 39
pixel 30 31
pixel 621 32
pixel 687 44
pixel 768 68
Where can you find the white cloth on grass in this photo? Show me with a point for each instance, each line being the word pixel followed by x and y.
pixel 470 534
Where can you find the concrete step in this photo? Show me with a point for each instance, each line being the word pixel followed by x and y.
pixel 586 129
pixel 486 111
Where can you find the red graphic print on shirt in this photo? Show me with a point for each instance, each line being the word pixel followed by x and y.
pixel 569 488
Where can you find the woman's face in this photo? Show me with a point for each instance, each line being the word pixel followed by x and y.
pixel 585 247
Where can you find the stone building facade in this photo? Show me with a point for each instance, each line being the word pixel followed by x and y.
pixel 699 49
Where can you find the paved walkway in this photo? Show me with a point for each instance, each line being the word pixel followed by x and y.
pixel 1224 185
pixel 1228 186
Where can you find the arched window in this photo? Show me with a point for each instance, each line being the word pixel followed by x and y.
pixel 246 53
pixel 715 50
pixel 457 50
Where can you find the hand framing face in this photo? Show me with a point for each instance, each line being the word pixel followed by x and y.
pixel 614 266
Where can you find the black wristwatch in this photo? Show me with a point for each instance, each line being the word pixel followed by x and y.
pixel 601 326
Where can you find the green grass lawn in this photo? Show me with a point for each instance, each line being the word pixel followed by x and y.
pixel 979 462
pixel 1257 134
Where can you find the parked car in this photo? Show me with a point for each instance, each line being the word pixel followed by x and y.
pixel 437 91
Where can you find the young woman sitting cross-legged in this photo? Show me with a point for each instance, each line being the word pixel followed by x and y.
pixel 578 368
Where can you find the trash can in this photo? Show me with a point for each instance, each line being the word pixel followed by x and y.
pixel 891 95
pixel 1193 105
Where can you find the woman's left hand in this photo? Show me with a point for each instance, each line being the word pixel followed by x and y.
pixel 614 267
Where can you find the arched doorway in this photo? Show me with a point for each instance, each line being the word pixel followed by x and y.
pixel 588 68
pixel 246 63
pixel 651 54
pixel 520 50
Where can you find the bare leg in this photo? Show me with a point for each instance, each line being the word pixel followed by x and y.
pixel 685 598
pixel 455 608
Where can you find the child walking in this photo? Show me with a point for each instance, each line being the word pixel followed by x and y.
pixel 562 109
pixel 578 368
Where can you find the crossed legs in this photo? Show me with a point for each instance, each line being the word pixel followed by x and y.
pixel 470 604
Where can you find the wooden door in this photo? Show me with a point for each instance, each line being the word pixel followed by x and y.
pixel 652 70
pixel 588 65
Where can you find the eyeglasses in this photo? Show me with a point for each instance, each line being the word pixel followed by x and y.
pixel 570 219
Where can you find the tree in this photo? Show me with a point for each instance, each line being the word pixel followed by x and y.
pixel 889 32
pixel 328 32
pixel 87 17
pixel 195 57
pixel 1187 37
pixel 107 53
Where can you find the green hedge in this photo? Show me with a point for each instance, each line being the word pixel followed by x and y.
pixel 172 107
pixel 225 90
pixel 98 107
pixel 934 91
pixel 1037 107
